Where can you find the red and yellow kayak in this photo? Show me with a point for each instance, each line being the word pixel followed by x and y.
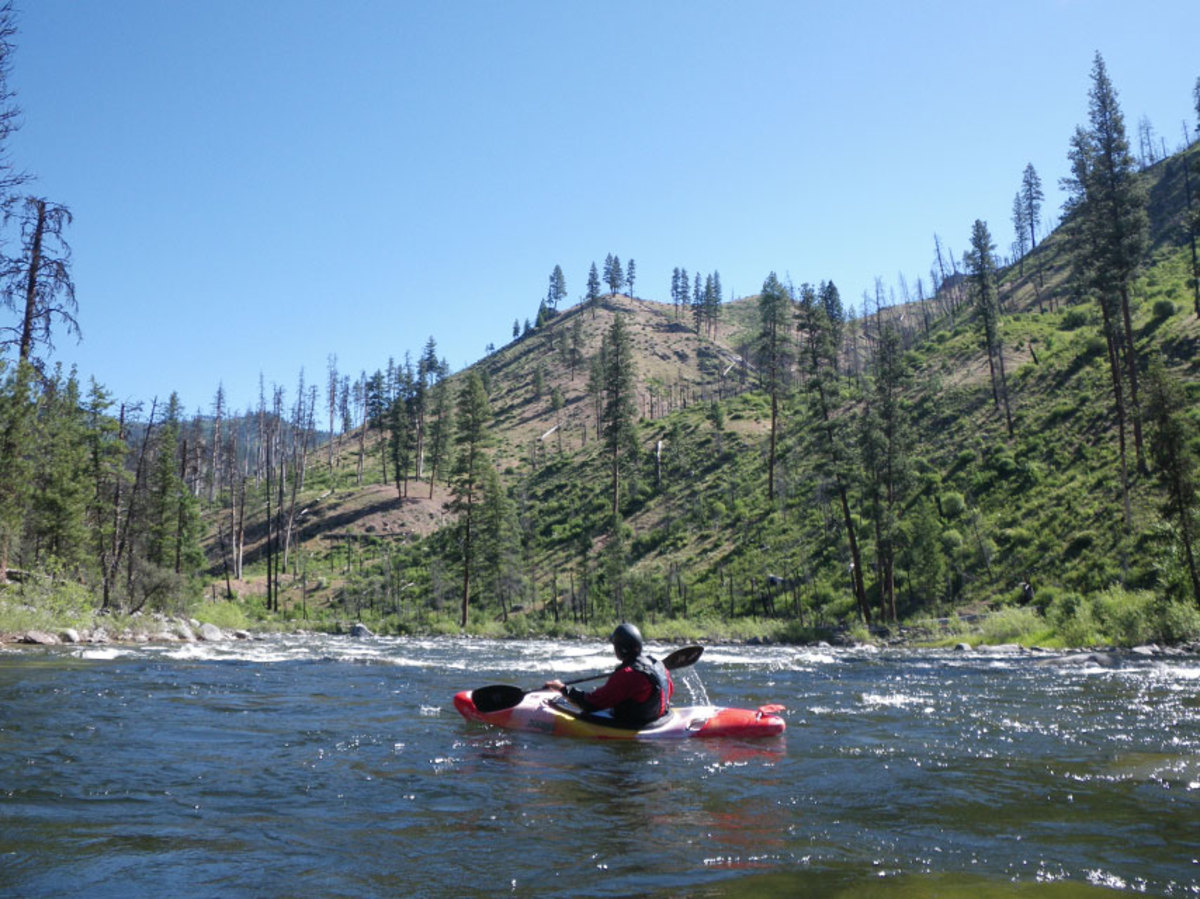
pixel 545 711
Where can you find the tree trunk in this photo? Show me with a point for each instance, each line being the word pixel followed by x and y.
pixel 1004 389
pixel 856 575
pixel 35 261
pixel 467 549
pixel 1131 370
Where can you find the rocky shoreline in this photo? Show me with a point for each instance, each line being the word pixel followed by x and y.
pixel 164 629
pixel 158 629
pixel 168 630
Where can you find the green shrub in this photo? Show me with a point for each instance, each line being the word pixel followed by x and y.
pixel 953 505
pixel 963 459
pixel 1030 473
pixel 1127 618
pixel 1094 347
pixel 840 607
pixel 1011 626
pixel 1071 615
pixel 1164 309
pixel 1075 318
pixel 229 616
pixel 1079 544
pixel 1121 617
pixel 1017 537
pixel 1180 622
pixel 45 604
pixel 859 633
pixel 1044 597
pixel 952 541
pixel 1001 461
pixel 1060 412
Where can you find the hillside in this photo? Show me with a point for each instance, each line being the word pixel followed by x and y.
pixel 983 513
pixel 904 490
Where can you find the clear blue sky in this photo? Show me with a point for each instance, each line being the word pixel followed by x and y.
pixel 258 185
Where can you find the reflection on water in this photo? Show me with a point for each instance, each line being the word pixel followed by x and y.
pixel 326 766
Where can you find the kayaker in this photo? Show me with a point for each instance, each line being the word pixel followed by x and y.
pixel 638 691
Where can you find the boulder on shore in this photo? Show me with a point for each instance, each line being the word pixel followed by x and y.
pixel 39 638
pixel 185 632
pixel 210 633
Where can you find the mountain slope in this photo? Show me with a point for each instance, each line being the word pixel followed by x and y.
pixel 982 514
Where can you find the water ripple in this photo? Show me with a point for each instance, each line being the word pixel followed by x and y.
pixel 332 766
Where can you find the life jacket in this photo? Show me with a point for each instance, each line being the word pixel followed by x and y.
pixel 630 711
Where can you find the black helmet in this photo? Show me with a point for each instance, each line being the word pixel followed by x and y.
pixel 627 642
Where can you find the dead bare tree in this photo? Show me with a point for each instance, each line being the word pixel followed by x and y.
pixel 37 282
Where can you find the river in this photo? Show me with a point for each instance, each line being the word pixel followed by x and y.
pixel 326 766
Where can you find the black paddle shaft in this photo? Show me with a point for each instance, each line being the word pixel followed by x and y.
pixel 505 696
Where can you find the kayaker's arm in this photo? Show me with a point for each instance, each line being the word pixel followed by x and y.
pixel 622 684
pixel 577 696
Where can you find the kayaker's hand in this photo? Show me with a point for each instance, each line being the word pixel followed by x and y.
pixel 556 685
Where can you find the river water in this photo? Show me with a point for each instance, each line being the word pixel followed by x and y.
pixel 323 766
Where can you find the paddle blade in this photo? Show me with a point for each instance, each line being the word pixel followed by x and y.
pixel 682 658
pixel 497 697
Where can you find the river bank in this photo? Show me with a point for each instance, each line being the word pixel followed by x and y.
pixel 162 629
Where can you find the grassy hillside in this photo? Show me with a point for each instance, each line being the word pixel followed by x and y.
pixel 983 513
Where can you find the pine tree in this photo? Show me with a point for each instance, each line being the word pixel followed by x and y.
pixel 1031 202
pixel 712 302
pixel 17 416
pixel 499 548
pixel 557 291
pixel 467 479
pixel 833 448
pixel 835 317
pixel 886 441
pixel 427 373
pixel 680 288
pixel 595 384
pixel 981 265
pixel 108 502
pixel 617 417
pixel 1196 97
pixel 774 353
pixel 1111 229
pixel 400 441
pixel 58 513
pixel 613 275
pixel 713 299
pixel 1020 237
pixel 441 428
pixel 332 382
pixel 593 288
pixel 1172 442
pixel 630 276
pixel 576 349
pixel 923 555
pixel 174 523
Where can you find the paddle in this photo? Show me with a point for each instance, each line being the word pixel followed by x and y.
pixel 503 696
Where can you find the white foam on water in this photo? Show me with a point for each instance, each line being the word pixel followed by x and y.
pixel 101 655
pixel 892 700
